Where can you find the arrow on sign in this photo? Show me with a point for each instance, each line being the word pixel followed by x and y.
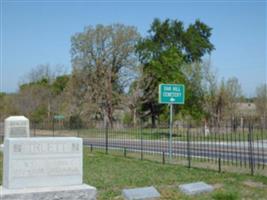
pixel 172 99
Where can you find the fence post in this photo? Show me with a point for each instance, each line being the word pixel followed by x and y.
pixel 170 132
pixel 250 141
pixel 77 128
pixel 188 145
pixel 219 164
pixel 34 129
pixel 91 148
pixel 163 157
pixel 53 126
pixel 106 136
pixel 218 148
pixel 142 153
pixel 124 151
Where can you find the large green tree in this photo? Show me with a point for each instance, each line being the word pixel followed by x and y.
pixel 165 53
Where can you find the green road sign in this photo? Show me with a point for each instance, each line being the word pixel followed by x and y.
pixel 171 93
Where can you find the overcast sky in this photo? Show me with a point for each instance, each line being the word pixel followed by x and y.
pixel 39 32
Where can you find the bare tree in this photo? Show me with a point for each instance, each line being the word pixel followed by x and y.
pixel 43 71
pixel 133 99
pixel 234 91
pixel 220 99
pixel 210 86
pixel 261 102
pixel 103 57
pixel 38 97
pixel 32 99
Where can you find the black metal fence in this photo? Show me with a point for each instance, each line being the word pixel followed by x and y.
pixel 223 148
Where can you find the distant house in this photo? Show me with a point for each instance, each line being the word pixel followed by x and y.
pixel 245 109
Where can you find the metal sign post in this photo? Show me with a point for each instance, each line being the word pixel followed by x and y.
pixel 171 94
pixel 170 138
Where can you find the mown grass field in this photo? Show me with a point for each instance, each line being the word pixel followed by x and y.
pixel 110 174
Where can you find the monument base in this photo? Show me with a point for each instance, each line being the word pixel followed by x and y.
pixel 74 192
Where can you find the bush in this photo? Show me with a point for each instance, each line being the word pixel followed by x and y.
pixel 127 119
pixel 75 122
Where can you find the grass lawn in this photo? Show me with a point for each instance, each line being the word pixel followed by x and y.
pixel 110 174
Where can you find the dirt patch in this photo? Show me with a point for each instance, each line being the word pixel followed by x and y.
pixel 162 187
pixel 218 186
pixel 118 197
pixel 254 184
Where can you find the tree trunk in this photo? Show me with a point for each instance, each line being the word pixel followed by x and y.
pixel 109 106
pixel 134 117
pixel 106 119
pixel 153 116
pixel 49 111
pixel 110 120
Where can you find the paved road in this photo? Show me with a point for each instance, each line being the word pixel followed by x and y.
pixel 235 151
pixel 230 151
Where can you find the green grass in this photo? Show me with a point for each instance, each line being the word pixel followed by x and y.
pixel 110 174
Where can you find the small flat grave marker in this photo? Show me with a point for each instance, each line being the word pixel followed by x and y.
pixel 140 193
pixel 195 188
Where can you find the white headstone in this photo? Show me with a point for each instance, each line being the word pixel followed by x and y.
pixel 206 129
pixel 141 193
pixel 42 162
pixel 17 126
pixel 196 188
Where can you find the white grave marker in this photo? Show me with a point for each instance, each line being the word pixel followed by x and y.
pixel 141 193
pixel 17 126
pixel 196 188
pixel 42 162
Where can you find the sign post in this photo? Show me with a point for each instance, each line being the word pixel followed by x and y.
pixel 171 94
pixel 170 138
